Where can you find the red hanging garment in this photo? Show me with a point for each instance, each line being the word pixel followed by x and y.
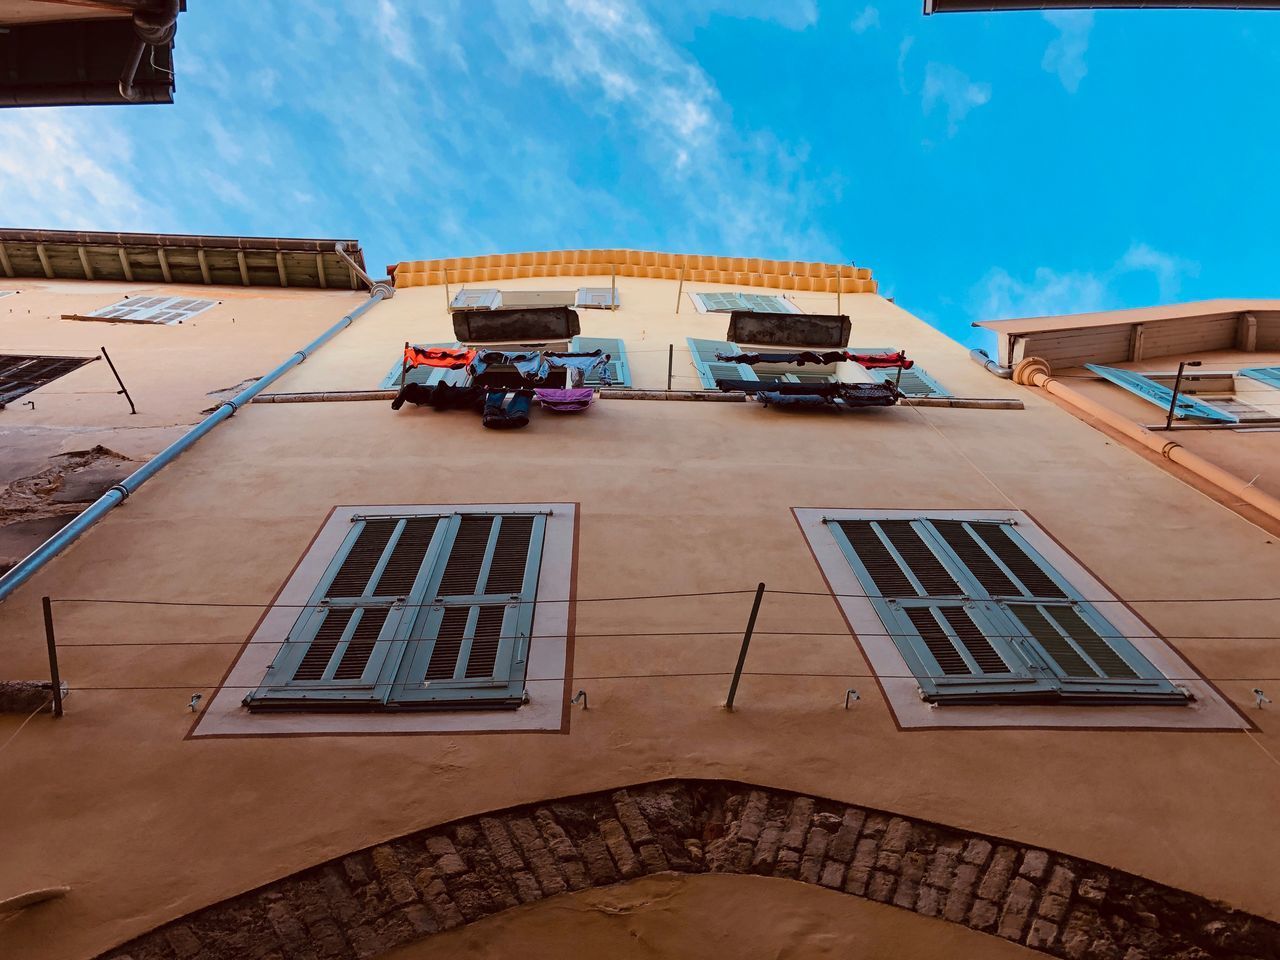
pixel 438 357
pixel 879 361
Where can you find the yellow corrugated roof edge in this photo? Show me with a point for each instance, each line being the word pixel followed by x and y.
pixel 698 268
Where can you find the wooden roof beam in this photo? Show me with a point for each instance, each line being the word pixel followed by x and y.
pixel 4 260
pixel 164 265
pixel 280 269
pixel 1247 333
pixel 204 266
pixel 84 262
pixel 44 260
pixel 324 284
pixel 244 267
pixel 125 265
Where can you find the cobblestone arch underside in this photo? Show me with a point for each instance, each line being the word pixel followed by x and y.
pixel 367 902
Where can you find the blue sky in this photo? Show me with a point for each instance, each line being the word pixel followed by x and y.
pixel 981 165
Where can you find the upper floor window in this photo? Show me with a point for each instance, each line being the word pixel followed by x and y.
pixel 914 382
pixel 415 610
pixel 488 298
pixel 753 302
pixel 165 310
pixel 20 374
pixel 705 354
pixel 618 369
pixel 1216 396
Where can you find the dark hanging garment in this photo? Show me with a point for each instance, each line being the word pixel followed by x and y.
pixel 443 396
pixel 866 394
pixel 503 412
pixel 530 369
pixel 799 359
pixel 786 389
pixel 796 401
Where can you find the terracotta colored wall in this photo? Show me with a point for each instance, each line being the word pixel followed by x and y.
pixel 675 497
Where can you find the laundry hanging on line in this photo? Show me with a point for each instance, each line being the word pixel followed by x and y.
pixel 871 361
pixel 594 363
pixel 506 411
pixel 450 359
pixel 573 400
pixel 839 396
pixel 442 396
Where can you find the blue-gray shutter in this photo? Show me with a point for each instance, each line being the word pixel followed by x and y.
pixel 1268 375
pixel 470 645
pixel 1160 395
pixel 597 298
pixel 914 382
pixel 19 375
pixel 617 367
pixel 754 302
pixel 154 309
pixel 710 369
pixel 428 376
pixel 345 647
pixel 980 615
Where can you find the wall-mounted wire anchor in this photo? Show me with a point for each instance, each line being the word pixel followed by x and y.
pixel 1259 697
pixel 29 403
pixel 195 699
pixel 850 694
pixel 581 695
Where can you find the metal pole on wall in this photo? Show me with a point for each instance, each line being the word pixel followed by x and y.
pixel 123 389
pixel 680 289
pixel 1177 385
pixel 53 656
pixel 671 359
pixel 613 286
pixel 448 300
pixel 746 642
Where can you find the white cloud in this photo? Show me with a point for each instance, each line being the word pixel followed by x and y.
pixel 904 48
pixel 949 85
pixel 999 295
pixel 1167 268
pixel 1065 53
pixel 58 169
pixel 394 35
pixel 868 18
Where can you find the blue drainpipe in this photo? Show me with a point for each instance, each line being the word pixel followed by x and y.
pixel 27 567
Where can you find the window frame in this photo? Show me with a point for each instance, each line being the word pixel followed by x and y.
pixel 897 666
pixel 147 311
pixel 547 653
pixel 11 390
pixel 787 304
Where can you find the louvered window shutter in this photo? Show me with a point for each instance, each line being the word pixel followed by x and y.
pixel 428 376
pixel 980 616
pixel 710 369
pixel 763 303
pixel 19 375
pixel 598 298
pixel 1268 375
pixel 914 382
pixel 721 302
pixel 154 309
pixel 345 648
pixel 1160 395
pixel 477 298
pixel 619 371
pixel 471 644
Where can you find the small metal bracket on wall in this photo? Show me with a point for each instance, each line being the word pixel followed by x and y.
pixel 850 694
pixel 580 697
pixel 47 604
pixel 1259 697
pixel 746 642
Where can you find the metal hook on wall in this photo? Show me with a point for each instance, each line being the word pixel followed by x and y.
pixel 581 695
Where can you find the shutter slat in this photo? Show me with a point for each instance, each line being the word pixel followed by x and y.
pixel 462 572
pixel 353 576
pixel 975 642
pixel 938 643
pixel 406 558
pixel 1051 641
pixel 361 645
pixel 484 645
pixel 324 644
pixel 880 563
pixel 1095 646
pixel 444 655
pixel 1019 562
pixel 984 569
pixel 506 572
pixel 927 568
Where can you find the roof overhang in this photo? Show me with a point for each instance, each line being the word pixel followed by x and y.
pixel 88 52
pixel 1000 6
pixel 1118 336
pixel 178 258
pixel 789 329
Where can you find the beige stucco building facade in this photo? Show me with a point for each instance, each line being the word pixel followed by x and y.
pixel 915 763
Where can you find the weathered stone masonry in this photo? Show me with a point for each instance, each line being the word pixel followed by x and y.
pixel 368 902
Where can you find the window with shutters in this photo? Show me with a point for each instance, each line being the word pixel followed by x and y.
pixel 162 310
pixel 413 618
pixel 754 302
pixel 598 298
pixel 618 370
pixel 428 376
pixel 704 352
pixel 20 373
pixel 981 609
pixel 1222 396
pixel 915 382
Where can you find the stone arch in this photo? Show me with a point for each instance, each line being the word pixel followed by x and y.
pixel 367 902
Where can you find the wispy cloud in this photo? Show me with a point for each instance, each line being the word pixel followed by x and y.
pixel 904 48
pixel 1065 53
pixel 58 169
pixel 868 18
pixel 949 85
pixel 1049 292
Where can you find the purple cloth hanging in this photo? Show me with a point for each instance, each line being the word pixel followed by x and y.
pixel 573 400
